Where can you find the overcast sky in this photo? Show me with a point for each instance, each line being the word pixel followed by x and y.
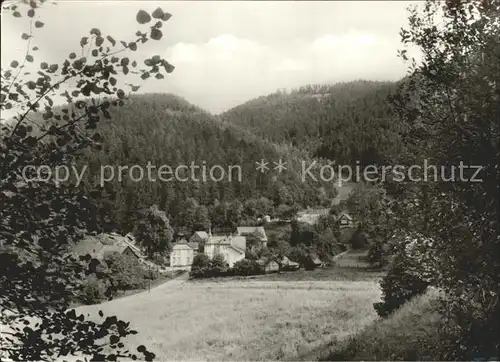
pixel 226 53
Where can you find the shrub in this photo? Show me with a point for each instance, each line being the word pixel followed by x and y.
pixel 358 240
pixel 218 266
pixel 125 272
pixel 399 286
pixel 251 255
pixel 200 266
pixel 377 255
pixel 246 267
pixel 203 267
pixel 93 291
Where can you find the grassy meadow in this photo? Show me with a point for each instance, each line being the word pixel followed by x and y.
pixel 409 334
pixel 245 319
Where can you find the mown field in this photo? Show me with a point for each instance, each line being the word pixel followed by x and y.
pixel 245 319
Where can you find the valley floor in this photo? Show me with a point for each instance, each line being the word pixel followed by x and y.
pixel 244 319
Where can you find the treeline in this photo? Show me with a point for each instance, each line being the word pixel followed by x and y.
pixel 163 129
pixel 345 122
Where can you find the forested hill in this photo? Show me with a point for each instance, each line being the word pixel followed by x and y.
pixel 167 130
pixel 344 122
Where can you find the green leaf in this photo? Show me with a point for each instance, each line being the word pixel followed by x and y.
pixel 29 58
pixel 158 13
pixel 166 16
pixel 16 14
pixel 111 40
pixel 143 17
pixel 132 46
pixel 145 75
pixel 99 40
pixel 84 41
pixel 72 55
pixel 159 76
pixel 156 34
pixel 14 64
pixel 25 36
pixel 95 31
pixel 31 13
pixel 39 24
pixel 169 68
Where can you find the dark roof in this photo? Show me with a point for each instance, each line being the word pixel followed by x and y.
pixel 286 261
pixel 184 242
pixel 201 234
pixel 347 216
pixel 265 261
pixel 101 245
pixel 314 258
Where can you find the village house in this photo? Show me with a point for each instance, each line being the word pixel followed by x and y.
pixel 312 261
pixel 199 237
pixel 257 231
pixel 182 254
pixel 268 265
pixel 289 265
pixel 103 245
pixel 311 216
pixel 344 220
pixel 232 248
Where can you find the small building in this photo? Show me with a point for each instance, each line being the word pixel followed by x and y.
pixel 344 220
pixel 182 254
pixel 232 248
pixel 256 231
pixel 268 265
pixel 312 262
pixel 199 237
pixel 289 265
pixel 102 245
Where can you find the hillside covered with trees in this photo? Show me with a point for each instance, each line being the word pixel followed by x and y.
pixel 165 130
pixel 345 122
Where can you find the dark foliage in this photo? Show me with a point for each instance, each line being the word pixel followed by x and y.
pixel 399 286
pixel 246 267
pixel 39 220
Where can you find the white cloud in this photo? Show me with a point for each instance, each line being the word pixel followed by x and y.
pixel 228 52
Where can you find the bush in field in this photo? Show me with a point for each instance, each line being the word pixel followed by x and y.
pixel 125 272
pixel 246 267
pixel 399 286
pixel 93 291
pixel 377 254
pixel 203 267
pixel 218 266
pixel 200 266
pixel 359 240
